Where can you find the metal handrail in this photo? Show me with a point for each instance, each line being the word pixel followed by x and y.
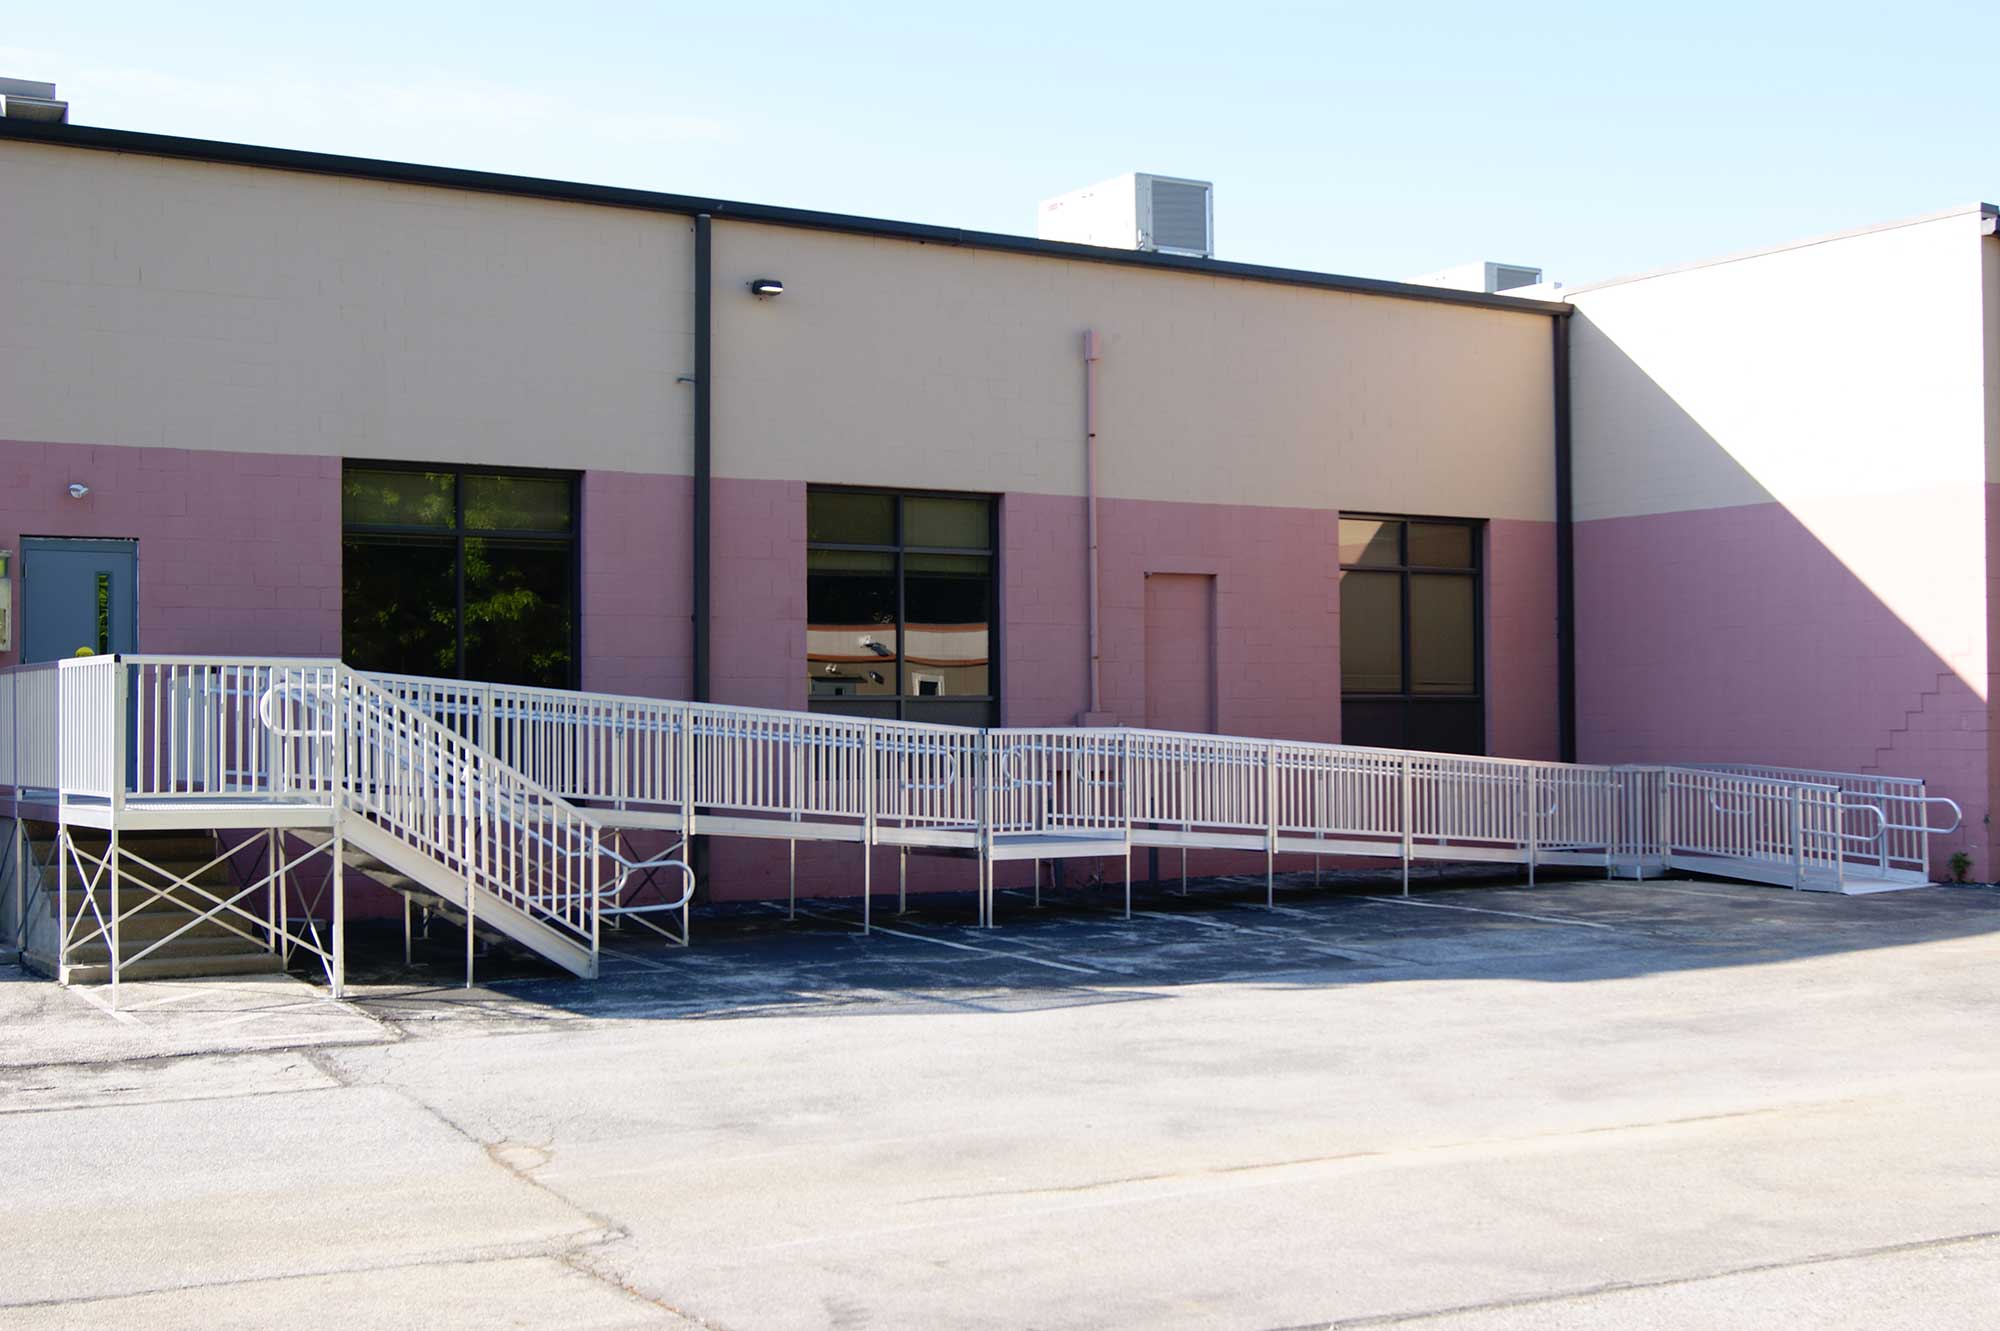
pixel 1957 815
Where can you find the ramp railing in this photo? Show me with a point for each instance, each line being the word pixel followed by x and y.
pixel 1057 781
pixel 1758 827
pixel 512 787
pixel 1901 805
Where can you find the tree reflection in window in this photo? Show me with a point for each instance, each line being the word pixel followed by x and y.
pixel 468 574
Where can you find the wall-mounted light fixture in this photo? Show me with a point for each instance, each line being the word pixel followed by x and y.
pixel 77 489
pixel 762 287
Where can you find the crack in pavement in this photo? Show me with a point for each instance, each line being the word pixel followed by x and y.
pixel 1667 1282
pixel 522 1160
pixel 1471 1145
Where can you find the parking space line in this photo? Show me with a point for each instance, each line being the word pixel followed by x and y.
pixel 162 1002
pixel 106 1008
pixel 1318 947
pixel 1692 892
pixel 241 1019
pixel 963 947
pixel 641 962
pixel 1485 910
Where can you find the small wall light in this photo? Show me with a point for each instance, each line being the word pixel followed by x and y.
pixel 77 489
pixel 760 287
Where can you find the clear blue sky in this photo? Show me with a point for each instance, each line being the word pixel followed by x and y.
pixel 1377 138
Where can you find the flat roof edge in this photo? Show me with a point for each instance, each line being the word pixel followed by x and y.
pixel 1764 251
pixel 380 170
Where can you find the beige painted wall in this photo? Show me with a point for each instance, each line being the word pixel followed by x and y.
pixel 149 301
pixel 187 305
pixel 1847 367
pixel 892 363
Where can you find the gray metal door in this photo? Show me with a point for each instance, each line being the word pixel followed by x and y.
pixel 78 594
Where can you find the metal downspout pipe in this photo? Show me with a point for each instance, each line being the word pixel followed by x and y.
pixel 1093 713
pixel 1566 746
pixel 704 359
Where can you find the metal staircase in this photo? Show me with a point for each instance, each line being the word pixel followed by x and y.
pixel 333 772
pixel 505 807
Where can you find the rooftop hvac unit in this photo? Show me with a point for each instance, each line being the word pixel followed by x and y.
pixel 1135 211
pixel 1485 276
pixel 27 99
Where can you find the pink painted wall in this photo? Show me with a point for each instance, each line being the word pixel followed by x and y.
pixel 757 647
pixel 638 552
pixel 1733 634
pixel 238 552
pixel 1521 649
pixel 1277 609
pixel 1044 586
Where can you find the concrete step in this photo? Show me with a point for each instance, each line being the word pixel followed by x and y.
pixel 133 899
pixel 192 967
pixel 147 925
pixel 185 946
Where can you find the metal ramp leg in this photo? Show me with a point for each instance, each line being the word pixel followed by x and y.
pixel 338 979
pixel 112 871
pixel 271 897
pixel 62 904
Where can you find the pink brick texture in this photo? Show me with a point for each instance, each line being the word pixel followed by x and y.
pixel 1734 635
pixel 238 552
pixel 638 554
pixel 1521 667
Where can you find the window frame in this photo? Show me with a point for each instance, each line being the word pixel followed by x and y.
pixel 863 705
pixel 459 533
pixel 1405 571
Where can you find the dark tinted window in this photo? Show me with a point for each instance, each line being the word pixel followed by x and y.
pixel 461 574
pixel 903 625
pixel 1410 634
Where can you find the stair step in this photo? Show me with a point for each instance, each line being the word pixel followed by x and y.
pixel 151 924
pixel 186 945
pixel 135 900
pixel 158 967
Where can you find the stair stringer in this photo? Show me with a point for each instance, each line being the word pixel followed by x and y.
pixel 452 888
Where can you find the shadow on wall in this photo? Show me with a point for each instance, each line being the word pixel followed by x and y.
pixel 1736 633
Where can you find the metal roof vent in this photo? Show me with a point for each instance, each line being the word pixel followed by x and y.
pixel 1135 211
pixel 25 99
